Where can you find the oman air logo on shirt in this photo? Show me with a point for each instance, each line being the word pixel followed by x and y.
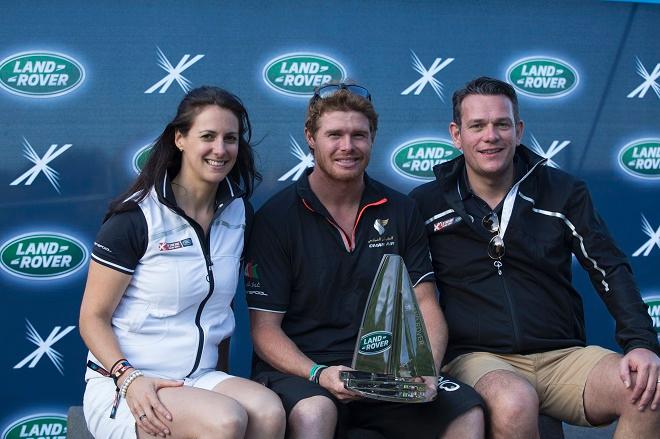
pixel 296 74
pixel 653 302
pixel 41 425
pixel 40 74
pixel 416 158
pixel 140 158
pixel 542 77
pixel 375 342
pixel 380 225
pixel 42 255
pixel 641 158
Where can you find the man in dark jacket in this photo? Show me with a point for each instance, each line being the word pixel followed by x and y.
pixel 503 228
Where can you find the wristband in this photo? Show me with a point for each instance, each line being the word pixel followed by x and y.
pixel 116 363
pixel 123 367
pixel 313 371
pixel 121 393
pixel 317 373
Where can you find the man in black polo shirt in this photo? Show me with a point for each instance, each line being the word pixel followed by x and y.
pixel 313 253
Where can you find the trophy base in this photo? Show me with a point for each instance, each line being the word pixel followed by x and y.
pixel 384 387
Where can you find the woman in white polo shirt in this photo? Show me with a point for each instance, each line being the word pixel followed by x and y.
pixel 163 274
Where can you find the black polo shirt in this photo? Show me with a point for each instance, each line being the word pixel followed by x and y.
pixel 299 264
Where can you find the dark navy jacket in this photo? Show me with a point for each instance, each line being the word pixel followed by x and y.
pixel 532 305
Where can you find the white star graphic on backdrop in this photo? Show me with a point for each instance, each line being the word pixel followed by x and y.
pixel 41 164
pixel 552 151
pixel 306 161
pixel 649 81
pixel 428 76
pixel 173 73
pixel 652 242
pixel 44 346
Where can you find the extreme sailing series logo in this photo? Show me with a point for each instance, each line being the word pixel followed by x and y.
pixel 305 160
pixel 650 81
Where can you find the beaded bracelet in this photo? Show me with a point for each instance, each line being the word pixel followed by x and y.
pixel 124 387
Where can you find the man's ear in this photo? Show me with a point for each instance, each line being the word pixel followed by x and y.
pixel 455 132
pixel 310 139
pixel 520 129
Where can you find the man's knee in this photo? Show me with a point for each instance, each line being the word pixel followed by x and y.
pixel 311 411
pixel 509 397
pixel 606 396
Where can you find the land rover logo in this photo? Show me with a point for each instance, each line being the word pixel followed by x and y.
pixel 140 158
pixel 40 74
pixel 641 158
pixel 654 311
pixel 42 255
pixel 42 426
pixel 542 77
pixel 296 74
pixel 375 342
pixel 416 159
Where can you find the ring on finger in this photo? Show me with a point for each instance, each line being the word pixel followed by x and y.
pixel 142 416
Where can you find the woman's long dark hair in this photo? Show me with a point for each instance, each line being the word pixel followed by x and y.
pixel 165 156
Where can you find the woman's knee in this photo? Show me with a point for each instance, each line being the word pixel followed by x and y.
pixel 230 422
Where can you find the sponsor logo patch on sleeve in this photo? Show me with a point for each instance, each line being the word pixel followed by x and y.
pixel 441 225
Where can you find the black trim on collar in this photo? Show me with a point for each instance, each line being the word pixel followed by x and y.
pixel 226 191
pixel 371 194
pixel 465 190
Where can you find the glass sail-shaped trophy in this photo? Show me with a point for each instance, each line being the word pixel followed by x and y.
pixel 392 346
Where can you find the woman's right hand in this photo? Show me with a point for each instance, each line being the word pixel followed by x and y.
pixel 142 398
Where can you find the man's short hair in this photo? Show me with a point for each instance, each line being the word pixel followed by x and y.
pixel 342 100
pixel 484 86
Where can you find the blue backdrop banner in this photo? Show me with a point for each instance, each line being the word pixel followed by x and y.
pixel 85 87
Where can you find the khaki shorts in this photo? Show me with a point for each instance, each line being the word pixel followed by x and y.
pixel 559 376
